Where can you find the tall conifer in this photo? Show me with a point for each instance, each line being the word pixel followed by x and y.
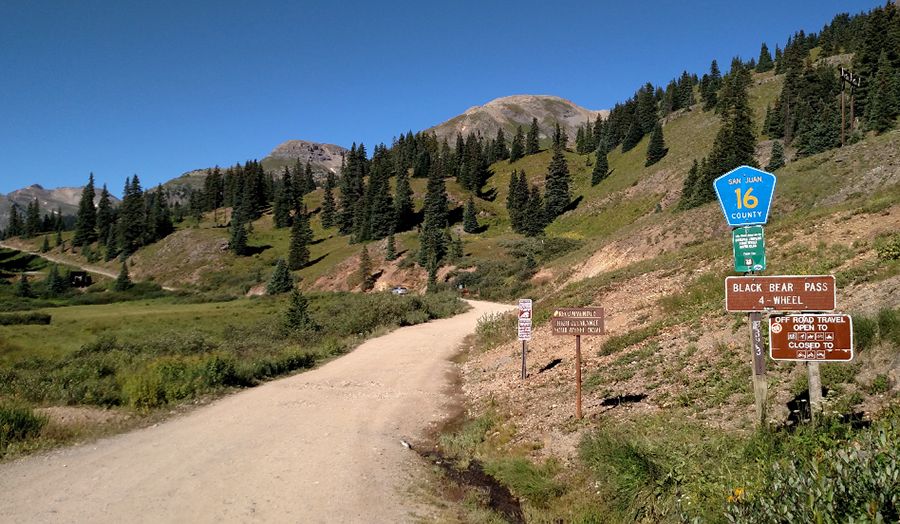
pixel 86 220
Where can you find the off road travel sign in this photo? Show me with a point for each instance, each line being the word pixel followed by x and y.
pixel 745 194
pixel 811 337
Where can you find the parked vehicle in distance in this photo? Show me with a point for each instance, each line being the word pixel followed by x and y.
pixel 400 290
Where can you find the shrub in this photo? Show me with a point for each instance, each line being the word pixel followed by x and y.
pixel 888 248
pixel 865 332
pixel 18 423
pixel 11 319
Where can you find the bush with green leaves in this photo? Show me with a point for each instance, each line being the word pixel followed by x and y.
pixel 858 481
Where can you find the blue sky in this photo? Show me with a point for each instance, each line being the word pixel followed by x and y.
pixel 160 88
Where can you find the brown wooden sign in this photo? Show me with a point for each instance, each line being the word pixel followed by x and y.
pixel 577 321
pixel 811 337
pixel 780 293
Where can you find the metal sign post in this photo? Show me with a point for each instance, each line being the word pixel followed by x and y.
pixel 524 328
pixel 578 321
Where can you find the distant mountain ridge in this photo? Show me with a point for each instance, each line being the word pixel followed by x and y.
pixel 511 111
pixel 63 198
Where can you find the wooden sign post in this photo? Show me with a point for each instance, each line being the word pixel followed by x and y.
pixel 577 321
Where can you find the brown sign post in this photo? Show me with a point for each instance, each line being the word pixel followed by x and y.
pixel 577 321
pixel 780 293
pixel 811 338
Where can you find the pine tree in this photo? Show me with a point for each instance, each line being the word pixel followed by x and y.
pixel 364 273
pixel 501 151
pixel 58 242
pixel 86 220
pixel 132 223
pixel 328 205
pixel 104 216
pixel 281 280
pixel 470 217
pixel 656 149
pixel 55 283
pixel 765 62
pixel 23 287
pixel 237 242
pixel 15 227
pixel 32 219
pixel 557 185
pixel 882 105
pixel 281 207
pixel 456 248
pixel 517 150
pixel 633 136
pixel 601 166
pixel 432 243
pixel 309 183
pixel 301 237
pixel 296 316
pixel 532 144
pixel 45 246
pixel 403 203
pixel 112 249
pixel 535 217
pixel 390 252
pixel 159 217
pixel 777 159
pixel 646 108
pixel 123 281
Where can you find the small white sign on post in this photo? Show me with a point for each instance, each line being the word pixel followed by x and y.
pixel 525 319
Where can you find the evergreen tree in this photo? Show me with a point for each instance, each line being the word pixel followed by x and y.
pixel 58 242
pixel 112 250
pixel 32 219
pixel 557 185
pixel 390 252
pixel 403 203
pixel 601 166
pixel 281 280
pixel 132 223
pixel 281 207
pixel 364 274
pixel 501 151
pixel 532 144
pixel 237 242
pixel 633 136
pixel 45 246
pixel 23 287
pixel 470 217
pixel 535 217
pixel 86 220
pixel 765 62
pixel 328 205
pixel 309 183
pixel 517 150
pixel 296 317
pixel 55 283
pixel 159 217
pixel 456 248
pixel 104 216
pixel 301 237
pixel 432 242
pixel 657 149
pixel 777 159
pixel 123 281
pixel 432 276
pixel 646 108
pixel 15 227
pixel 883 103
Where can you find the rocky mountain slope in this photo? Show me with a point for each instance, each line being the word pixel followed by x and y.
pixel 511 111
pixel 64 198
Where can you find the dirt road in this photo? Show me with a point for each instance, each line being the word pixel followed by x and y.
pixel 320 446
pixel 58 260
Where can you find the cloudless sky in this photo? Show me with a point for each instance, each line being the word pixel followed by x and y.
pixel 159 88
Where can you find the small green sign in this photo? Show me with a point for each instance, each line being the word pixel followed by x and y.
pixel 749 249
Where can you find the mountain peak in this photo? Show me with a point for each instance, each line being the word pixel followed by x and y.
pixel 511 111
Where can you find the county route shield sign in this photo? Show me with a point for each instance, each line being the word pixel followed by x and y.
pixel 745 194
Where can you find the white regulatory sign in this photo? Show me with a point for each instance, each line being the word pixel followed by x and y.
pixel 525 314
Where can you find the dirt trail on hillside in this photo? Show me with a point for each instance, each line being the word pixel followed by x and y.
pixel 320 446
